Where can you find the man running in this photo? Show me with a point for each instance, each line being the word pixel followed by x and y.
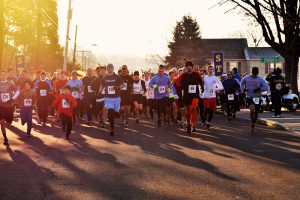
pixel 254 85
pixel 138 91
pixel 160 83
pixel 112 83
pixel 231 93
pixel 126 94
pixel 191 83
pixel 7 91
pixel 89 99
pixel 211 85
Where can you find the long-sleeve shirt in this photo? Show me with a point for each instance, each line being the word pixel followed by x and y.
pixel 231 86
pixel 163 83
pixel 65 104
pixel 252 83
pixel 211 85
pixel 26 99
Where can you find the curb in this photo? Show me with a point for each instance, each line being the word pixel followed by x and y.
pixel 266 122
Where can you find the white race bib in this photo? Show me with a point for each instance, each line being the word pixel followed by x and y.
pixel 65 104
pixel 75 94
pixel 111 90
pixel 124 87
pixel 150 94
pixel 5 97
pixel 161 89
pixel 256 100
pixel 27 102
pixel 192 89
pixel 90 89
pixel 43 93
pixel 278 86
pixel 230 97
pixel 137 89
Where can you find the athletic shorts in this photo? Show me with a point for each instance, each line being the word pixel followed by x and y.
pixel 7 114
pixel 126 99
pixel 112 103
pixel 250 101
pixel 170 101
pixel 137 97
pixel 210 103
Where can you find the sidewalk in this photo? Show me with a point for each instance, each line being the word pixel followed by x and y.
pixel 290 120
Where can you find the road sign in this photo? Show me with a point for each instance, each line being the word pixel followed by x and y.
pixel 269 60
pixel 20 61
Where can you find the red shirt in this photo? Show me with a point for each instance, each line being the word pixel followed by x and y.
pixel 65 104
pixel 58 85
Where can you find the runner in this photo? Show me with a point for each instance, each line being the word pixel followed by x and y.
pixel 190 83
pixel 254 85
pixel 160 83
pixel 26 101
pixel 43 89
pixel 101 110
pixel 126 94
pixel 76 90
pixel 138 91
pixel 112 84
pixel 150 98
pixel 89 99
pixel 65 104
pixel 7 91
pixel 202 73
pixel 231 93
pixel 211 85
pixel 172 106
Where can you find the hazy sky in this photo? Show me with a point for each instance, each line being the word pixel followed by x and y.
pixel 141 27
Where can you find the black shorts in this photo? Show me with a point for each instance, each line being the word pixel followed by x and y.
pixel 170 101
pixel 125 99
pixel 138 98
pixel 7 114
pixel 250 101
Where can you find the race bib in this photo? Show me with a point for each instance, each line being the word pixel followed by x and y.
pixel 65 104
pixel 111 90
pixel 150 94
pixel 162 89
pixel 278 86
pixel 27 102
pixel 43 93
pixel 230 97
pixel 124 87
pixel 137 89
pixel 75 94
pixel 5 97
pixel 256 100
pixel 192 89
pixel 89 88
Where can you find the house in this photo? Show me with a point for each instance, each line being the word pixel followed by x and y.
pixel 236 53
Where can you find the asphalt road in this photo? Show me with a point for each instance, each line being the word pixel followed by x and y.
pixel 146 162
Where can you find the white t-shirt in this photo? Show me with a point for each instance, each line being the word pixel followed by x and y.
pixel 211 85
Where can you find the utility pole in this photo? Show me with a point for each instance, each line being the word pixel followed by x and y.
pixel 1 32
pixel 67 36
pixel 75 47
pixel 83 60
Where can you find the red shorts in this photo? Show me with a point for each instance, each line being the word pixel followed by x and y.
pixel 210 103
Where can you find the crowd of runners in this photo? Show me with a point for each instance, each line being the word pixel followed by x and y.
pixel 178 96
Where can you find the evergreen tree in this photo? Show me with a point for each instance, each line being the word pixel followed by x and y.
pixel 186 43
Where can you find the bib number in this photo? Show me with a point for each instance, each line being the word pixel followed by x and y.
pixel 137 89
pixel 43 93
pixel 192 89
pixel 256 101
pixel 27 102
pixel 124 87
pixel 162 89
pixel 5 97
pixel 65 104
pixel 278 86
pixel 89 88
pixel 75 95
pixel 230 97
pixel 111 90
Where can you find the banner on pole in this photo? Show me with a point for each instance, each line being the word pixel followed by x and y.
pixel 218 63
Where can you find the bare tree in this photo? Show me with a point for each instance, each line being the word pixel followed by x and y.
pixel 279 21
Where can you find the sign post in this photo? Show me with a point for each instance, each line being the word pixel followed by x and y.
pixel 218 63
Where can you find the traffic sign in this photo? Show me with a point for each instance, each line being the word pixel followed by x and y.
pixel 269 60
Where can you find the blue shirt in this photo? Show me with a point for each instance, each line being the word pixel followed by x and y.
pixel 254 82
pixel 162 83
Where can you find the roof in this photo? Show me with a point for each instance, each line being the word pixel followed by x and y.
pixel 233 48
pixel 255 53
